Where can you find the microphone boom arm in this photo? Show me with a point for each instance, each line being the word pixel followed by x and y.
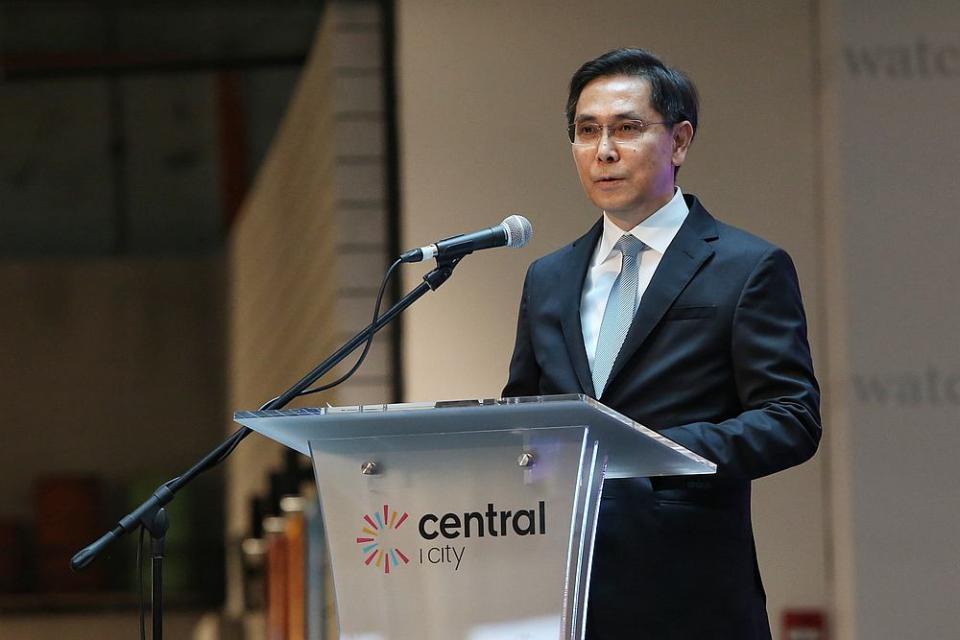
pixel 144 514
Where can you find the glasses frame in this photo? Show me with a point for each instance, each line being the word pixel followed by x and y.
pixel 605 128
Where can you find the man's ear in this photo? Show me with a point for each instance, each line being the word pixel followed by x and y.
pixel 682 137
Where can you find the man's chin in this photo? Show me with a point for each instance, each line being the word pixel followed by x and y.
pixel 611 205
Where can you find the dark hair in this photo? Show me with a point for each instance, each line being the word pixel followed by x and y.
pixel 672 93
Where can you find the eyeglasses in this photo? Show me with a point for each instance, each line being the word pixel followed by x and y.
pixel 589 133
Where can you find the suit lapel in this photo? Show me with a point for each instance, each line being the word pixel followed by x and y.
pixel 572 287
pixel 683 258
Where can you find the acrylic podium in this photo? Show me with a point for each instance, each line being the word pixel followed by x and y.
pixel 471 519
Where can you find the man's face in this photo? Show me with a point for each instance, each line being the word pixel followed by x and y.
pixel 628 181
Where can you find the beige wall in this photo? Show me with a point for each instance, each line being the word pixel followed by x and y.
pixel 893 313
pixel 482 89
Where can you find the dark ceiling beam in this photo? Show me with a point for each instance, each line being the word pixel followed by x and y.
pixel 42 66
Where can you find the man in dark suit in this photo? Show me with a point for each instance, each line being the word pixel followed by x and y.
pixel 689 326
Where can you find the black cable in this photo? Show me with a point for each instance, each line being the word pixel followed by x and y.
pixel 143 606
pixel 368 343
pixel 231 444
pixel 239 435
pixel 167 490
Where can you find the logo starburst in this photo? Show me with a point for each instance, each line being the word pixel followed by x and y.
pixel 372 548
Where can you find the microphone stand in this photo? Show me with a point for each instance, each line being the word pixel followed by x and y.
pixel 153 517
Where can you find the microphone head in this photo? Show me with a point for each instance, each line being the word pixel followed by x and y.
pixel 518 229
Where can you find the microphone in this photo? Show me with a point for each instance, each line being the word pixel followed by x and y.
pixel 514 231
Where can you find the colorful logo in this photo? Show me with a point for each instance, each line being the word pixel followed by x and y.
pixel 376 552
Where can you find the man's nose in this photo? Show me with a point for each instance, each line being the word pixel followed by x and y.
pixel 606 150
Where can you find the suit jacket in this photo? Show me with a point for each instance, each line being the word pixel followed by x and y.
pixel 717 360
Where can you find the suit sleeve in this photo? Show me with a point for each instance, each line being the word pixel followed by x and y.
pixel 780 423
pixel 524 379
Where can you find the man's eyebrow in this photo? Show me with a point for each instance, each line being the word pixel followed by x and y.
pixel 628 115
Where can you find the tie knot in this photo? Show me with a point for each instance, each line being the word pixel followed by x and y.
pixel 629 245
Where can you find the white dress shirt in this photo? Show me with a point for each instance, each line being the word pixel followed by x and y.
pixel 656 232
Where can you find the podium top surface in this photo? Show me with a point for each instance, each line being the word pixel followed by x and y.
pixel 632 450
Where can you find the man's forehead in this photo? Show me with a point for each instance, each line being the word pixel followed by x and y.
pixel 623 115
pixel 618 96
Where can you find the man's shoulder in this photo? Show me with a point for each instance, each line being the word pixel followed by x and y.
pixel 731 236
pixel 727 238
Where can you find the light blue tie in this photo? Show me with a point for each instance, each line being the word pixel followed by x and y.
pixel 621 307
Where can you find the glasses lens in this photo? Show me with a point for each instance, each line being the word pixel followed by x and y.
pixel 587 132
pixel 627 131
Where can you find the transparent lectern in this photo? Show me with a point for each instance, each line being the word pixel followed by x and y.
pixel 468 519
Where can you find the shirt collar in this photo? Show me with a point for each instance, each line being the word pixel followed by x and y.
pixel 657 231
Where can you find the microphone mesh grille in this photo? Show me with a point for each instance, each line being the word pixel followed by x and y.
pixel 519 231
